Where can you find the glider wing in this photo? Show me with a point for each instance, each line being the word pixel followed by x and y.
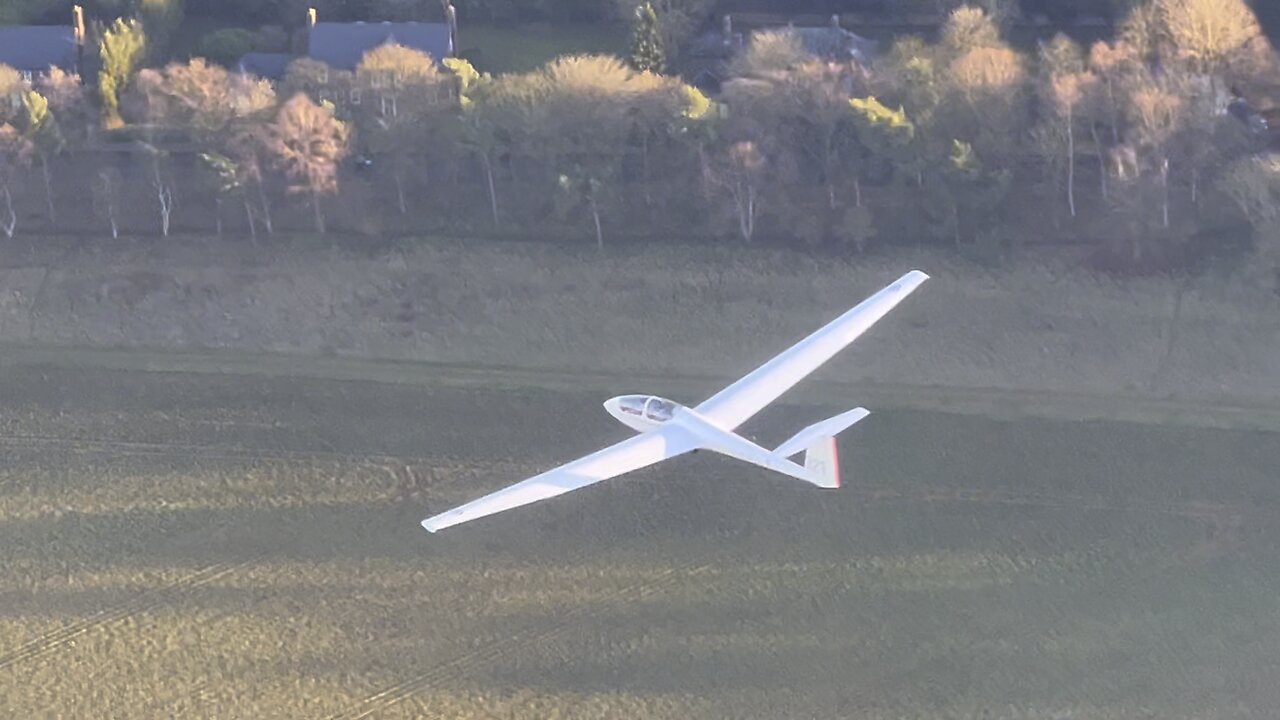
pixel 624 457
pixel 732 406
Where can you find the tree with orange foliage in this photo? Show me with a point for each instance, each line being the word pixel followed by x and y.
pixel 306 142
pixel 988 86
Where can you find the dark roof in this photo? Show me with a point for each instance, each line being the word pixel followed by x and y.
pixel 35 47
pixel 342 45
pixel 824 42
pixel 715 44
pixel 708 81
pixel 265 65
pixel 836 43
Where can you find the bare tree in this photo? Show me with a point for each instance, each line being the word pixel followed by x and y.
pixel 1143 31
pixel 1207 33
pixel 969 28
pixel 307 142
pixel 404 88
pixel 914 80
pixel 46 137
pixel 739 174
pixel 11 86
pixel 241 166
pixel 1254 185
pixel 588 109
pixel 68 102
pixel 1113 64
pixel 197 95
pixel 163 187
pixel 1066 92
pixel 494 115
pixel 988 91
pixel 806 114
pixel 1156 115
pixel 252 102
pixel 106 191
pixel 15 155
pixel 151 92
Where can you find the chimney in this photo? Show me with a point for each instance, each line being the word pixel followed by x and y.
pixel 835 21
pixel 451 17
pixel 77 24
pixel 311 17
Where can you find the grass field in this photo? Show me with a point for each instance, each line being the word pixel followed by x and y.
pixel 203 546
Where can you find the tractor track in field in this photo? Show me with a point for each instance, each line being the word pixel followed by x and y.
pixel 148 600
pixel 201 451
pixel 513 469
pixel 407 469
pixel 478 658
pixel 184 586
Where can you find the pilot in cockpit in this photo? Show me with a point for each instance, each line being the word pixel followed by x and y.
pixel 661 409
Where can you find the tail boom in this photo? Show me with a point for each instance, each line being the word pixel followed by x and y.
pixel 818 441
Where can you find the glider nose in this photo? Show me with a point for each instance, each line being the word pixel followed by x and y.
pixel 613 406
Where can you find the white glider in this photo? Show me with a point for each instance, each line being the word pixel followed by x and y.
pixel 668 429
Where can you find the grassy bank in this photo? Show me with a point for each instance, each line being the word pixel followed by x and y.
pixel 666 310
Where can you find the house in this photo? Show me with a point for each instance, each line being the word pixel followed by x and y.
pixel 271 66
pixel 33 49
pixel 711 54
pixel 835 44
pixel 706 63
pixel 342 45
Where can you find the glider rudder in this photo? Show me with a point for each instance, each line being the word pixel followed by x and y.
pixel 822 462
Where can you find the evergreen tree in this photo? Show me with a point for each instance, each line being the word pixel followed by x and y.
pixel 646 41
pixel 121 52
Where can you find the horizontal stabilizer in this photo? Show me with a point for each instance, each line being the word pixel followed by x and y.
pixel 826 429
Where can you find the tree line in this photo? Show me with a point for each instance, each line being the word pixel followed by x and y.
pixel 291 12
pixel 964 140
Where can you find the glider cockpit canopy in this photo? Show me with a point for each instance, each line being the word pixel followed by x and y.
pixel 649 407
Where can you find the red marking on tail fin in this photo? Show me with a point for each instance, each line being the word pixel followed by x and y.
pixel 835 459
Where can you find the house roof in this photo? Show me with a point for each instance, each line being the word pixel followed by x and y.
pixel 35 47
pixel 342 45
pixel 271 66
pixel 715 44
pixel 825 42
pixel 836 43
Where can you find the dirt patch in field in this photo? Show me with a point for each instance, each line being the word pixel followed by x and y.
pixel 698 311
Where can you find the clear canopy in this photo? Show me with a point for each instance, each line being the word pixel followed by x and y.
pixel 651 408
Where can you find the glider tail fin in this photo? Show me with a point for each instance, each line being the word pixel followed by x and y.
pixel 818 441
pixel 822 462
